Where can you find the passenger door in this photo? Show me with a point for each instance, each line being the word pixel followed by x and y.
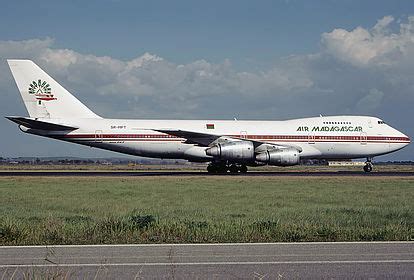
pixel 98 136
pixel 363 138
pixel 311 138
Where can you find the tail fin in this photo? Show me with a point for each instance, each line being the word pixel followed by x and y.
pixel 43 96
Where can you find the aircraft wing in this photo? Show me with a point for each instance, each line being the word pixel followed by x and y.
pixel 42 125
pixel 206 139
pixel 202 139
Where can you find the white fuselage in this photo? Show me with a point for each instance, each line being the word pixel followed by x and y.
pixel 335 137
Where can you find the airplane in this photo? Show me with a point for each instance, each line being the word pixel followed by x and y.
pixel 228 145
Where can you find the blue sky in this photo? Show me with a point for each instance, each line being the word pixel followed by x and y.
pixel 182 31
pixel 268 59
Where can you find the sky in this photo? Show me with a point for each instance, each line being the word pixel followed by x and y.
pixel 268 60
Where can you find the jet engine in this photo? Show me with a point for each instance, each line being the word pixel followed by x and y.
pixel 237 151
pixel 282 157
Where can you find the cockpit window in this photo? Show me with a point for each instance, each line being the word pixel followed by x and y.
pixel 381 122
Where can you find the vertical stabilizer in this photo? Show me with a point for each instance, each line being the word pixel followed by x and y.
pixel 43 96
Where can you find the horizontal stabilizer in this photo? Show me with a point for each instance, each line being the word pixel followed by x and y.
pixel 42 125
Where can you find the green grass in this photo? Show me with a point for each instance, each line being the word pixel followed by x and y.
pixel 76 210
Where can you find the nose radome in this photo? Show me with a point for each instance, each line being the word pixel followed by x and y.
pixel 406 138
pixel 396 133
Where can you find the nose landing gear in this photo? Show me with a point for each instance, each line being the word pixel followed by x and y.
pixel 368 165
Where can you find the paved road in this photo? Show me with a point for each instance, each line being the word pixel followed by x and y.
pixel 198 173
pixel 377 260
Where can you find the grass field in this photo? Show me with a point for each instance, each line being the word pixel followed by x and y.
pixel 94 210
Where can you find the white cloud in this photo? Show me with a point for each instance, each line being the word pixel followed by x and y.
pixel 24 49
pixel 382 25
pixel 59 58
pixel 146 58
pixel 371 101
pixel 378 46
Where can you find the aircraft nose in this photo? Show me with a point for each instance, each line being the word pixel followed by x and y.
pixel 408 139
pixel 401 140
pixel 405 138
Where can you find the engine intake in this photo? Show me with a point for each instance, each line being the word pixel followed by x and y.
pixel 283 157
pixel 237 151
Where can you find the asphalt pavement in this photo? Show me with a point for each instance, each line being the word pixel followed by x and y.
pixel 341 260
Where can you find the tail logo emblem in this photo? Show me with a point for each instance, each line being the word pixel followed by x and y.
pixel 41 90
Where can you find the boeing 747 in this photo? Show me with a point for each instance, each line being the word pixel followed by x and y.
pixel 229 145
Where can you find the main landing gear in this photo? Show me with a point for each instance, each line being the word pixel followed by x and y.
pixel 222 168
pixel 368 165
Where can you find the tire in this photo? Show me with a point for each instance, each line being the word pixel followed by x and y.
pixel 233 168
pixel 368 168
pixel 222 169
pixel 211 168
pixel 243 169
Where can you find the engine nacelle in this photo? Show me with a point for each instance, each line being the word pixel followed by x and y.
pixel 282 157
pixel 237 151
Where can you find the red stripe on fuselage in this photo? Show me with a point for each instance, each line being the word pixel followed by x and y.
pixel 264 138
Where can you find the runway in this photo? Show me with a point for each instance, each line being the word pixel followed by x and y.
pixel 377 260
pixel 200 173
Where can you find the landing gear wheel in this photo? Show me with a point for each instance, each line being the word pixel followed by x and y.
pixel 368 168
pixel 233 168
pixel 211 168
pixel 243 169
pixel 368 165
pixel 217 167
pixel 222 169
